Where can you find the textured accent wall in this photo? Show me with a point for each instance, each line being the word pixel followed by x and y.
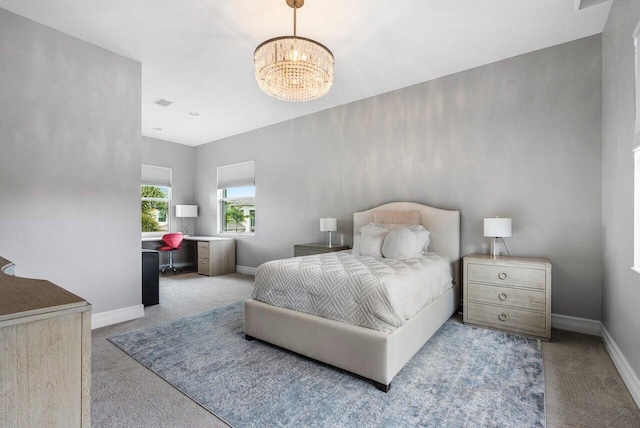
pixel 621 286
pixel 70 163
pixel 518 138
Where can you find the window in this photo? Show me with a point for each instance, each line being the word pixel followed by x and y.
pixel 237 198
pixel 155 196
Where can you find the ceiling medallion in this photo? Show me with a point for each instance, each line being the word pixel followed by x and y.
pixel 293 68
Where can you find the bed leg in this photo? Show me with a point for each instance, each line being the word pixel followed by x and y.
pixel 246 336
pixel 381 386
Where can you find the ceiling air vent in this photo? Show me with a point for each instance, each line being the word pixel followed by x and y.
pixel 162 102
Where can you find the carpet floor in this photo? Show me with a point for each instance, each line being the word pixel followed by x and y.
pixel 497 381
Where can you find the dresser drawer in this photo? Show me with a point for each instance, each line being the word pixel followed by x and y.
pixel 203 266
pixel 507 275
pixel 203 249
pixel 507 296
pixel 507 318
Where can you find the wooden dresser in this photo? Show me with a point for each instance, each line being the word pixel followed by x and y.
pixel 508 293
pixel 45 354
pixel 311 249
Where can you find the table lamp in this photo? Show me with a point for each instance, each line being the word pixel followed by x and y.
pixel 328 225
pixel 186 212
pixel 497 228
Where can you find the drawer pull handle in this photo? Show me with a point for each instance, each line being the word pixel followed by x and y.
pixel 503 296
pixel 503 317
pixel 503 275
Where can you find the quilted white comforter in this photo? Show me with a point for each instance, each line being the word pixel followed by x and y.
pixel 381 294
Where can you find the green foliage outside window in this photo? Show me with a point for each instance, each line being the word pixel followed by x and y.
pixel 153 210
pixel 236 215
pixel 149 224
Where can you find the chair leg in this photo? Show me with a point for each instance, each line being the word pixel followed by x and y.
pixel 171 267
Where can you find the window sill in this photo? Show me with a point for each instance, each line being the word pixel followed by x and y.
pixel 237 233
pixel 151 238
pixel 635 269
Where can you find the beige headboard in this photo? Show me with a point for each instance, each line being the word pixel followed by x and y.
pixel 443 225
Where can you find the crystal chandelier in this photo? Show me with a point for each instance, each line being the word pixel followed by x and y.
pixel 293 68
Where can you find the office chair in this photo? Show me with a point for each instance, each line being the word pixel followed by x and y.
pixel 172 242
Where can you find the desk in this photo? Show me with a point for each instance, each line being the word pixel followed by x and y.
pixel 213 256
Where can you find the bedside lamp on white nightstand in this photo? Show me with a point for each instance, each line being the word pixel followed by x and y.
pixel 497 228
pixel 328 225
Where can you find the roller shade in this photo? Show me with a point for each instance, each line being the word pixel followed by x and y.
pixel 156 176
pixel 236 175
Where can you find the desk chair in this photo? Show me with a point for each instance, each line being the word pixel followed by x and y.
pixel 172 242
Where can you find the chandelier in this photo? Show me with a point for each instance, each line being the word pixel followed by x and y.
pixel 293 68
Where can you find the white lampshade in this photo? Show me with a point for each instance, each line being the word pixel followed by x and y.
pixel 328 225
pixel 497 227
pixel 186 211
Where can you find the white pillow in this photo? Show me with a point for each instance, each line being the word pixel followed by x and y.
pixel 404 243
pixel 373 230
pixel 364 245
pixel 412 227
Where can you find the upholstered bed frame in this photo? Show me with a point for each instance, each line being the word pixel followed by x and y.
pixel 369 353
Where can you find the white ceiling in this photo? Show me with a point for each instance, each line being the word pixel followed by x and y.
pixel 199 53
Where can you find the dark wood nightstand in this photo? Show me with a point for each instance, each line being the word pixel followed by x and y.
pixel 311 249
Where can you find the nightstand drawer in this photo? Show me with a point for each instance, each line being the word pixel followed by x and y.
pixel 313 249
pixel 299 252
pixel 507 296
pixel 507 275
pixel 203 249
pixel 507 318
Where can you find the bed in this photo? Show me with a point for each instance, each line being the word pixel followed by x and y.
pixel 373 354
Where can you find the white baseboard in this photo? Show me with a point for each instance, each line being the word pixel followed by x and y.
pixel 104 319
pixel 629 377
pixel 579 325
pixel 246 270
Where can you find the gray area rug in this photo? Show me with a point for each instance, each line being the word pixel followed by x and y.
pixel 462 377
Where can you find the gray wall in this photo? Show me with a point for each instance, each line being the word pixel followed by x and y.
pixel 621 286
pixel 181 160
pixel 519 138
pixel 70 163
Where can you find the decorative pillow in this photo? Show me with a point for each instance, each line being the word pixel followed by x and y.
pixel 393 226
pixel 374 230
pixel 365 245
pixel 404 243
pixel 396 217
pixel 412 227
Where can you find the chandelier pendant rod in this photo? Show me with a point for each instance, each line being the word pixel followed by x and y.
pixel 295 7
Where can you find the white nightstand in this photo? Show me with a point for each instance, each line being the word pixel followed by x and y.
pixel 508 293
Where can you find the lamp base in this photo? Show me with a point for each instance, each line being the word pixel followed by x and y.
pixel 329 239
pixel 185 226
pixel 495 249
